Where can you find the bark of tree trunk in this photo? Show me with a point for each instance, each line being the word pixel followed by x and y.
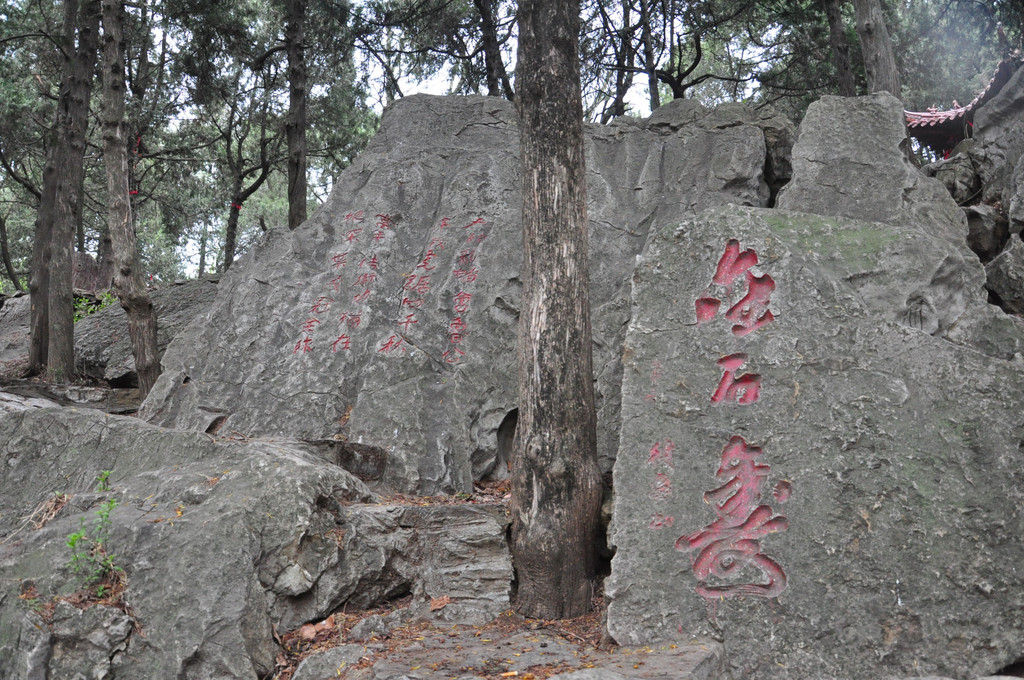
pixel 879 61
pixel 231 233
pixel 649 65
pixel 6 253
pixel 295 129
pixel 556 482
pixel 625 59
pixel 497 77
pixel 840 48
pixel 128 281
pixel 67 177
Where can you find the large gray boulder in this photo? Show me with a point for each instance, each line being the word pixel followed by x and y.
pixel 803 474
pixel 103 348
pixel 999 144
pixel 222 542
pixel 850 160
pixel 388 320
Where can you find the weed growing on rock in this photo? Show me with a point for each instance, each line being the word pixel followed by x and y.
pixel 89 555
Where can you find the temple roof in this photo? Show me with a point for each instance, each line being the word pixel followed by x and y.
pixel 942 130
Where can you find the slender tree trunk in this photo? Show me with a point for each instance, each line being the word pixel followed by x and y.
pixel 624 62
pixel 497 77
pixel 879 61
pixel 295 129
pixel 73 111
pixel 202 251
pixel 6 253
pixel 128 280
pixel 556 482
pixel 840 48
pixel 649 64
pixel 231 231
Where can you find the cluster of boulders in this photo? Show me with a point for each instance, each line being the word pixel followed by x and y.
pixel 808 388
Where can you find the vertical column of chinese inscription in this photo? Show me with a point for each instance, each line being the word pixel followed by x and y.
pixel 418 284
pixel 727 552
pixel 339 310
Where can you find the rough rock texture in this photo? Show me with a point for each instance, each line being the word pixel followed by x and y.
pixel 220 540
pixel 958 174
pixel 850 161
pixel 102 346
pixel 1006 276
pixel 987 231
pixel 830 491
pixel 388 320
pixel 17 402
pixel 999 144
pixel 15 317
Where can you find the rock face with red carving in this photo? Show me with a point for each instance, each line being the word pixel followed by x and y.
pixel 817 465
pixel 388 320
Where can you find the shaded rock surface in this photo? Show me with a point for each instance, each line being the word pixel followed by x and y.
pixel 1005 276
pixel 388 320
pixel 102 345
pixel 221 541
pixel 824 487
pixel 15 317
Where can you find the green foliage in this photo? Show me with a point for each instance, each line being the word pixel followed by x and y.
pixel 84 305
pixel 103 481
pixel 90 557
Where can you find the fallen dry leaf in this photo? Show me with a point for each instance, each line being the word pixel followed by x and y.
pixel 439 602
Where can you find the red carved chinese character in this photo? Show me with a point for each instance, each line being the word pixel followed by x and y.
pixel 437 243
pixel 467 257
pixel 425 264
pixel 379 235
pixel 731 543
pixel 339 259
pixel 343 342
pixel 321 305
pixel 460 303
pixel 365 279
pixel 752 312
pixel 744 389
pixel 420 284
pixel 371 262
pixel 733 263
pixel 661 487
pixel 476 238
pixel 660 521
pixel 457 325
pixel 444 222
pixel 466 275
pixel 354 216
pixel 475 222
pixel 453 355
pixel 353 235
pixel 304 345
pixel 707 308
pixel 310 325
pixel 335 284
pixel 362 297
pixel 415 304
pixel 391 344
pixel 351 318
pixel 662 453
pixel 409 320
pixel 383 221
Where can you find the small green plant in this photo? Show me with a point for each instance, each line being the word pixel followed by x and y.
pixel 102 481
pixel 85 305
pixel 89 555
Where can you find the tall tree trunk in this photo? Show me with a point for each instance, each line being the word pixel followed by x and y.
pixel 231 233
pixel 879 61
pixel 497 77
pixel 128 280
pixel 72 124
pixel 624 64
pixel 840 48
pixel 649 64
pixel 295 128
pixel 5 252
pixel 202 251
pixel 556 482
